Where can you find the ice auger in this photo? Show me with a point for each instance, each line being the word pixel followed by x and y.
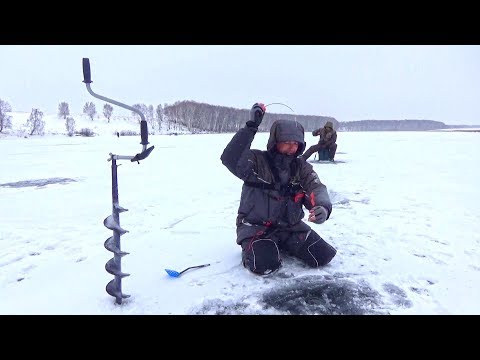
pixel 112 222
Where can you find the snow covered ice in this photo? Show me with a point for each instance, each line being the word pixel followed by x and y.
pixel 405 222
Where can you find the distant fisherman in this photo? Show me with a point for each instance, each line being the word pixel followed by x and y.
pixel 328 139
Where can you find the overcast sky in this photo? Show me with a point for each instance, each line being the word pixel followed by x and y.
pixel 382 82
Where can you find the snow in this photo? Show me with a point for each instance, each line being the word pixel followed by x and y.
pixel 405 222
pixel 463 129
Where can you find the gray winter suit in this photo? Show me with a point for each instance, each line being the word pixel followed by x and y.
pixel 328 139
pixel 276 188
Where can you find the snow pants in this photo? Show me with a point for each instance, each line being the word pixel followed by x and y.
pixel 261 253
pixel 332 149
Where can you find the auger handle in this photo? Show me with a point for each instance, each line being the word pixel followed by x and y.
pixel 143 123
pixel 86 71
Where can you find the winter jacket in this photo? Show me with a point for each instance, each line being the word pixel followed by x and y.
pixel 275 185
pixel 327 136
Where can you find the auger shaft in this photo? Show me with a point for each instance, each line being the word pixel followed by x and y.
pixel 112 222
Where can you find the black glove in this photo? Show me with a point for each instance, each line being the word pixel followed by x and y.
pixel 318 214
pixel 256 115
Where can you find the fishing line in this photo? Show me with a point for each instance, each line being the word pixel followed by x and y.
pixel 275 103
pixel 280 104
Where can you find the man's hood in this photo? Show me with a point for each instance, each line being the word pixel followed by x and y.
pixel 287 130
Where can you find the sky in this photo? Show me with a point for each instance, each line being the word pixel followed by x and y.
pixel 347 82
pixel 405 224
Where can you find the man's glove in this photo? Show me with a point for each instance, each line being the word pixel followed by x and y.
pixel 256 115
pixel 318 214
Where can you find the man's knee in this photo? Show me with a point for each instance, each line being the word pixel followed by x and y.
pixel 315 251
pixel 261 256
pixel 332 148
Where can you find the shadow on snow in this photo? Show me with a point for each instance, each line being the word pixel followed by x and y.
pixel 37 182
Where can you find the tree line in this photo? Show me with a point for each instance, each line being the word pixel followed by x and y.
pixel 391 125
pixel 220 119
pixel 201 117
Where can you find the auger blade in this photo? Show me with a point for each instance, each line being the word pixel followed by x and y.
pixel 112 268
pixel 111 224
pixel 110 246
pixel 113 290
pixel 119 208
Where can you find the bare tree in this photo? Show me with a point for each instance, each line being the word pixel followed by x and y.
pixel 89 109
pixel 5 119
pixel 107 111
pixel 70 125
pixel 63 110
pixel 35 122
pixel 140 107
pixel 159 113
pixel 149 116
